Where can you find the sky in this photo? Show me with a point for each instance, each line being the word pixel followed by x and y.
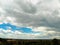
pixel 30 19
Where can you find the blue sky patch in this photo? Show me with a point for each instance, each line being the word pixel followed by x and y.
pixel 13 28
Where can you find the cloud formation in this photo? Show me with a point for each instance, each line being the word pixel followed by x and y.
pixel 40 15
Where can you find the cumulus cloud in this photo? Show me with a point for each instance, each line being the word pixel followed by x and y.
pixel 40 15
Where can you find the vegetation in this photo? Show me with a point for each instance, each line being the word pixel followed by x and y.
pixel 28 42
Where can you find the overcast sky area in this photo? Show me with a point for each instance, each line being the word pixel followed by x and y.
pixel 30 19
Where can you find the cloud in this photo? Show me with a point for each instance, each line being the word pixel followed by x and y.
pixel 46 33
pixel 39 29
pixel 44 15
pixel 41 33
pixel 41 16
pixel 2 10
pixel 16 34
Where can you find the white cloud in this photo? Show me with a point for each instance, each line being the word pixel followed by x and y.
pixel 6 2
pixel 2 10
pixel 34 2
pixel 7 19
pixel 38 29
pixel 19 35
pixel 16 34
